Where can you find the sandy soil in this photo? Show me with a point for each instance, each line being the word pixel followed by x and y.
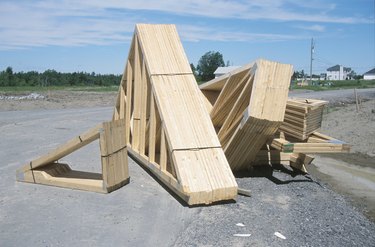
pixel 356 128
pixel 351 174
pixel 58 100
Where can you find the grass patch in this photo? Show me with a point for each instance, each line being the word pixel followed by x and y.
pixel 335 85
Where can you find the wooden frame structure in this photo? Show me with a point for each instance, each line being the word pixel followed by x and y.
pixel 114 159
pixel 248 106
pixel 168 128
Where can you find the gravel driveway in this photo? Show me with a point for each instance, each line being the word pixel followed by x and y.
pixel 143 213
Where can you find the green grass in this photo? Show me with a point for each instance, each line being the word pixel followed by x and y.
pixel 340 85
pixel 28 89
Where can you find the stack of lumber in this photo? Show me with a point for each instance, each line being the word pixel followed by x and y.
pixel 315 143
pixel 192 138
pixel 169 129
pixel 271 156
pixel 302 117
pixel 287 150
pixel 114 158
pixel 248 107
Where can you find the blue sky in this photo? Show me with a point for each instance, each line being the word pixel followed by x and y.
pixel 94 36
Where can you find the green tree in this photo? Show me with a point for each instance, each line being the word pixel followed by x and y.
pixel 193 69
pixel 208 63
pixel 9 76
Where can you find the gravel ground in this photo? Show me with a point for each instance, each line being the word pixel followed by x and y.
pixel 302 208
pixel 305 212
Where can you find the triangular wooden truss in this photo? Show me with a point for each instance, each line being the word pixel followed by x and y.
pixel 168 128
pixel 250 111
pixel 47 170
pixel 248 106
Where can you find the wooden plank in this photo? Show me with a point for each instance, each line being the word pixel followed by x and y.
pixel 137 96
pixel 218 83
pixel 65 149
pixel 143 110
pixel 152 132
pixel 122 98
pixel 163 152
pixel 164 177
pixel 181 108
pixel 61 175
pixel 114 153
pixel 236 111
pixel 129 96
pixel 162 49
pixel 204 175
pixel 248 139
pixel 325 144
pixel 232 90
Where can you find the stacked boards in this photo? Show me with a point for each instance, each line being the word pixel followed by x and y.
pixel 315 143
pixel 169 130
pixel 191 138
pixel 248 107
pixel 114 158
pixel 302 117
pixel 287 150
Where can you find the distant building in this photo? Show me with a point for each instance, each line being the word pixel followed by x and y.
pixel 369 75
pixel 338 72
pixel 224 70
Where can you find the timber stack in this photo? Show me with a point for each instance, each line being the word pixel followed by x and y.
pixel 245 111
pixel 302 117
pixel 192 138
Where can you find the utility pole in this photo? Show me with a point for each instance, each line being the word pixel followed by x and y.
pixel 311 58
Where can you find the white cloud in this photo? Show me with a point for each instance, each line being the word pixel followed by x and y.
pixel 74 23
pixel 279 10
pixel 194 34
pixel 317 28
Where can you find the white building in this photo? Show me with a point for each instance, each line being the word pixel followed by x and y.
pixel 369 75
pixel 338 72
pixel 223 70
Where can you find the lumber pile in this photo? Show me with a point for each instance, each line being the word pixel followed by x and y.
pixel 191 138
pixel 169 130
pixel 287 150
pixel 302 117
pixel 248 107
pixel 257 124
pixel 315 143
pixel 48 170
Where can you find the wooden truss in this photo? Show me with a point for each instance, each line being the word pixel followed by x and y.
pixel 248 106
pixel 257 124
pixel 47 170
pixel 168 128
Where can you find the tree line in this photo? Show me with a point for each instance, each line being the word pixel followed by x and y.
pixel 8 78
pixel 204 71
